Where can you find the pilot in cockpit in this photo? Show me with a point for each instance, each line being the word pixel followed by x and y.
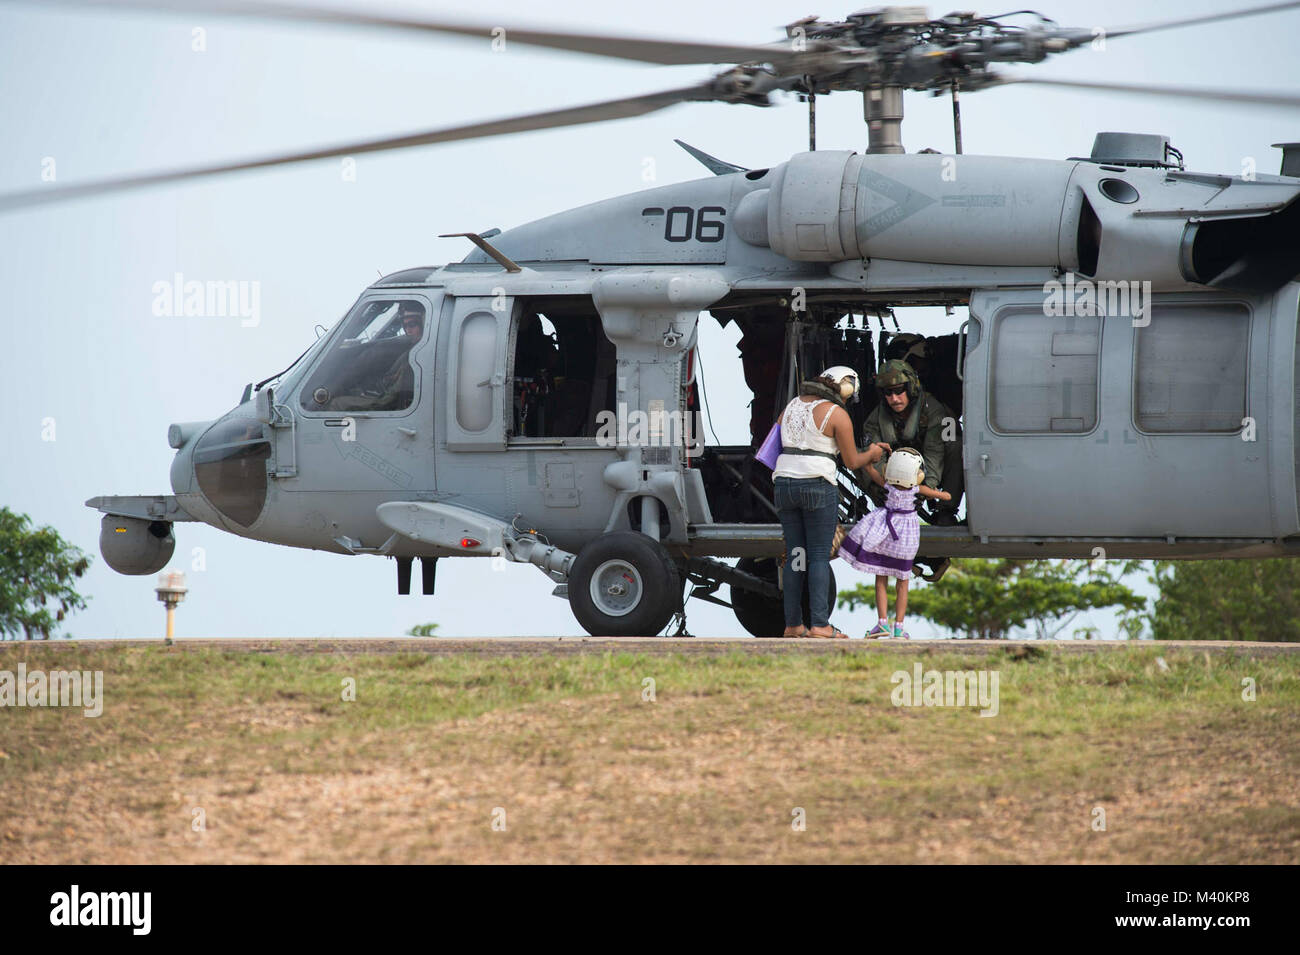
pixel 395 388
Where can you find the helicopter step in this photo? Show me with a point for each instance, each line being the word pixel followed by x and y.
pixel 765 540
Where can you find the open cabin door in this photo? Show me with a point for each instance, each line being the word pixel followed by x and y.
pixel 1179 423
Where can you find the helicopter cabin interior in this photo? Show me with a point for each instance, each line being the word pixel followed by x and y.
pixel 563 368
pixel 1175 428
pixel 778 350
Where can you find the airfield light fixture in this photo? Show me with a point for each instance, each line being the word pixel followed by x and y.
pixel 171 590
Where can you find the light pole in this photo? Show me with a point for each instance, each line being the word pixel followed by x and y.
pixel 171 590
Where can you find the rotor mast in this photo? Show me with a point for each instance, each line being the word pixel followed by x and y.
pixel 883 109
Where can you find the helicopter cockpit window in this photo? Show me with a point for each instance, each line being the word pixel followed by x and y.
pixel 564 369
pixel 368 368
pixel 1044 374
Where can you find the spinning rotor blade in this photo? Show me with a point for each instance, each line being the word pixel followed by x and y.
pixel 666 52
pixel 1180 92
pixel 572 116
pixel 1208 18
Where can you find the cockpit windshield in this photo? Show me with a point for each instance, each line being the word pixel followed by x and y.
pixel 368 366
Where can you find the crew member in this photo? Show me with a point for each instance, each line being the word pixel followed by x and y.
pixel 396 387
pixel 908 417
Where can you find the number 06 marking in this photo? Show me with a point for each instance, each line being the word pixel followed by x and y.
pixel 681 224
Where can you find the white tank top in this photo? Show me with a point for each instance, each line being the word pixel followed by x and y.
pixel 799 430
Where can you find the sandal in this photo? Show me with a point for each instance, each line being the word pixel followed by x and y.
pixel 800 632
pixel 835 634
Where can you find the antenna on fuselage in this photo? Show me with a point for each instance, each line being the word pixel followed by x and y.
pixel 505 262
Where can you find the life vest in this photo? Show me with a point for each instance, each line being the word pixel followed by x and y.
pixel 914 426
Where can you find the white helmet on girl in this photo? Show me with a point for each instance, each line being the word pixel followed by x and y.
pixel 845 378
pixel 905 468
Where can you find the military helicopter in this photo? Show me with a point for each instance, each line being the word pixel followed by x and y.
pixel 532 402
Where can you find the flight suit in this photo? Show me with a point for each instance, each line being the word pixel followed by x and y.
pixel 921 428
pixel 396 389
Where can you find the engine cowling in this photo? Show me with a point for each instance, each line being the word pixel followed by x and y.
pixel 134 546
pixel 1174 229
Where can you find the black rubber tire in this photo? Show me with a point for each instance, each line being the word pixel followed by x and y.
pixel 660 593
pixel 763 616
pixel 760 616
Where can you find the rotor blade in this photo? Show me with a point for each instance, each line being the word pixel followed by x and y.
pixel 1181 92
pixel 1208 18
pixel 572 116
pixel 666 52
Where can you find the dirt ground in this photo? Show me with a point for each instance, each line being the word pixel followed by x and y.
pixel 225 757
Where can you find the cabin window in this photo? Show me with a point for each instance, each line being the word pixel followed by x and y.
pixel 563 369
pixel 1044 375
pixel 1190 370
pixel 476 362
pixel 368 368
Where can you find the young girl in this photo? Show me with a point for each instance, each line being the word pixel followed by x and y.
pixel 885 542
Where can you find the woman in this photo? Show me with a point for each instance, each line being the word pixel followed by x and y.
pixel 813 426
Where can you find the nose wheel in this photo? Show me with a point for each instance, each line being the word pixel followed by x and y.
pixel 624 584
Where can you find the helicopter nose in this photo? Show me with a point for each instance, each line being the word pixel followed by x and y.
pixel 225 463
pixel 181 437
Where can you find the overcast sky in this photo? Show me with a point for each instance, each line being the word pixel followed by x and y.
pixel 103 93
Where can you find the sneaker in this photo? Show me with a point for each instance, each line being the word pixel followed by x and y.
pixel 900 633
pixel 879 632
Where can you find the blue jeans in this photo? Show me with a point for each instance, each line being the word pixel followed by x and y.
pixel 807 507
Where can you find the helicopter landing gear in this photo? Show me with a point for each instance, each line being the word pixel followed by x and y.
pixel 938 567
pixel 764 616
pixel 428 573
pixel 624 584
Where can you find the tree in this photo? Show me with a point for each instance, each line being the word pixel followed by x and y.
pixel 38 569
pixel 1227 600
pixel 422 630
pixel 990 598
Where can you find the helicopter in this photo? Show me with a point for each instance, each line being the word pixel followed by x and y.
pixel 454 423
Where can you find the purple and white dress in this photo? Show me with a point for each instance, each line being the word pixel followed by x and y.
pixel 886 540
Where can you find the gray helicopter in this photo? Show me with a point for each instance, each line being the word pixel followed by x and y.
pixel 536 402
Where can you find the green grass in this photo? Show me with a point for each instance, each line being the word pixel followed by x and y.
pixel 729 743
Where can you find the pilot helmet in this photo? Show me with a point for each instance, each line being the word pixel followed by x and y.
pixel 895 373
pixel 905 468
pixel 844 378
